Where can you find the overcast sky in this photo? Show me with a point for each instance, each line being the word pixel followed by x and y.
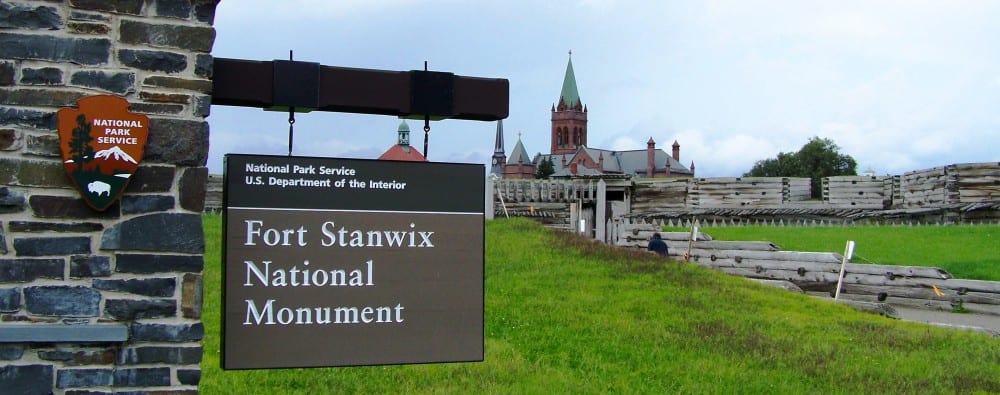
pixel 898 85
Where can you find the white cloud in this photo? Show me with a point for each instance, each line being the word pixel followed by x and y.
pixel 625 143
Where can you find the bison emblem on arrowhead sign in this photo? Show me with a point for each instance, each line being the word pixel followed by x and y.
pixel 101 144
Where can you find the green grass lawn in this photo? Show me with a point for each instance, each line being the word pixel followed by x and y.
pixel 966 251
pixel 566 315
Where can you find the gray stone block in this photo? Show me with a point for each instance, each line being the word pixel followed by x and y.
pixel 6 74
pixel 26 270
pixel 156 354
pixel 103 356
pixel 200 86
pixel 85 51
pixel 10 140
pixel 174 8
pixel 10 300
pixel 81 266
pixel 139 204
pixel 73 378
pixel 205 11
pixel 192 38
pixel 189 376
pixel 162 287
pixel 57 300
pixel 192 188
pixel 168 62
pixel 132 7
pixel 149 264
pixel 45 145
pixel 202 106
pixel 67 227
pixel 28 118
pixel 114 82
pixel 11 352
pixel 136 309
pixel 203 65
pixel 26 379
pixel 11 201
pixel 142 377
pixel 22 16
pixel 176 141
pixel 156 232
pixel 39 97
pixel 42 76
pixel 156 108
pixel 167 333
pixel 86 16
pixel 65 207
pixel 151 179
pixel 33 173
pixel 43 246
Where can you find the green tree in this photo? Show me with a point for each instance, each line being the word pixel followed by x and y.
pixel 818 158
pixel 545 168
pixel 80 150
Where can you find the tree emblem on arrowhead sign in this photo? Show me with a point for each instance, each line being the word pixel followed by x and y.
pixel 102 144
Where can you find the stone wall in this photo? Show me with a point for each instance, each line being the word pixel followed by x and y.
pixel 103 302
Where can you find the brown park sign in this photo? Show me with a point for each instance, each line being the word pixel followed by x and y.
pixel 102 144
pixel 340 262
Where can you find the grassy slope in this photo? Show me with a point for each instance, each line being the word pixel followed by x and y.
pixel 969 252
pixel 565 315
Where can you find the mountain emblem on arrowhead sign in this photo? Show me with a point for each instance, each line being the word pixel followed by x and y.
pixel 102 144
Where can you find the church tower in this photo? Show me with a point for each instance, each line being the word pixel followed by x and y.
pixel 499 157
pixel 569 116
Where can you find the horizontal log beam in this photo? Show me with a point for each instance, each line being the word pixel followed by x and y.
pixel 248 83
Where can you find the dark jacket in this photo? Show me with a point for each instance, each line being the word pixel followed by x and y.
pixel 656 244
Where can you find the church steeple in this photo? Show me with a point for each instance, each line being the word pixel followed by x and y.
pixel 499 157
pixel 569 116
pixel 570 97
pixel 404 136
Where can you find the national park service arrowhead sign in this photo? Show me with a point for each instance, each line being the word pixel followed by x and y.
pixel 102 144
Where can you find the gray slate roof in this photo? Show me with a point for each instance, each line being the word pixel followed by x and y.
pixel 632 163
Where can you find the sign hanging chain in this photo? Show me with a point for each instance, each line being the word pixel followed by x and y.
pixel 291 128
pixel 427 131
pixel 291 118
pixel 427 124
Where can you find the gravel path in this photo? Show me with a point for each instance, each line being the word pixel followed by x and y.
pixel 991 323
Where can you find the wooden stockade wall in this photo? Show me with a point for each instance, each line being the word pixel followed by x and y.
pixel 722 192
pixel 872 192
pixel 817 273
pixel 519 191
pixel 958 183
pixel 213 193
pixel 959 193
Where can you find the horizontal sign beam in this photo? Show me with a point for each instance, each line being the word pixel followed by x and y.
pixel 411 94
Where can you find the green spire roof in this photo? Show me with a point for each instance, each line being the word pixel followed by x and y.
pixel 569 94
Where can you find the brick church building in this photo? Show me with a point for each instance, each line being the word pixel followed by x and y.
pixel 571 157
